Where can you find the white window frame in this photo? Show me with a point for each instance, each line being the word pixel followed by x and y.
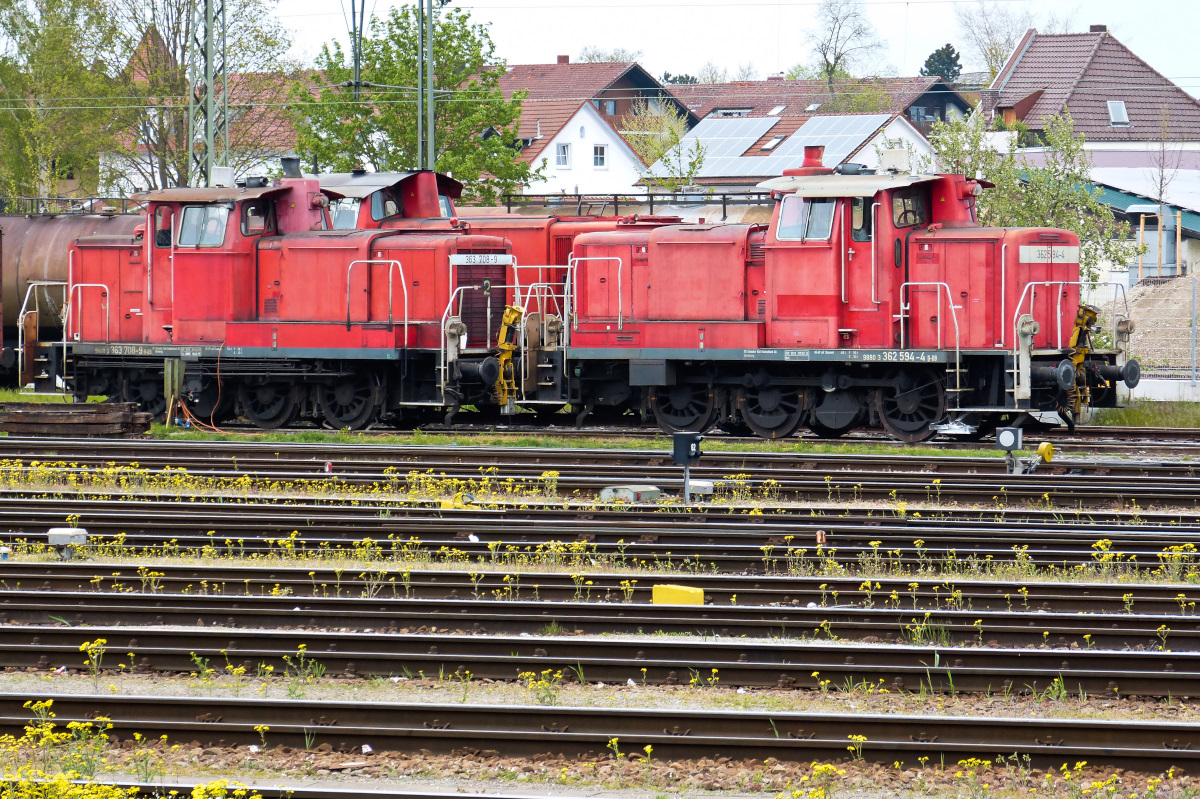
pixel 1121 110
pixel 562 155
pixel 600 151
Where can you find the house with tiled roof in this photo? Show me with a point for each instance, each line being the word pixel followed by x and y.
pixel 1111 93
pixel 741 152
pixel 1139 128
pixel 571 122
pixel 923 100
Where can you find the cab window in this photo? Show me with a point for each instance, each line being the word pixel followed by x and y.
pixel 909 208
pixel 444 204
pixel 803 219
pixel 258 217
pixel 861 219
pixel 384 205
pixel 203 226
pixel 162 226
pixel 344 213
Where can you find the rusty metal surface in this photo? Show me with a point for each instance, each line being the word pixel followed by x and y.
pixel 574 731
pixel 35 248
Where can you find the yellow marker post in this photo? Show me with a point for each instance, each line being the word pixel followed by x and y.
pixel 677 595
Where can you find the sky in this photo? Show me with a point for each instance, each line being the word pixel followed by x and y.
pixel 682 35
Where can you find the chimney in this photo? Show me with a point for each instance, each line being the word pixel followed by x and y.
pixel 777 76
pixel 564 59
pixel 1098 29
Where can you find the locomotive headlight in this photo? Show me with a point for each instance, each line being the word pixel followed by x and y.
pixel 1008 438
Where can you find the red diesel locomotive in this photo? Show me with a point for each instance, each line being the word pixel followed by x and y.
pixel 869 298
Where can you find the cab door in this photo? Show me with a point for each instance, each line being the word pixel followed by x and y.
pixel 864 325
pixel 160 274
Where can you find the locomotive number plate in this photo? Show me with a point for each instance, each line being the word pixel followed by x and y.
pixel 480 259
pixel 1049 254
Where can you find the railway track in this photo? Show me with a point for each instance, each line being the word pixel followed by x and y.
pixel 917 592
pixel 582 731
pixel 716 538
pixel 361 462
pixel 646 660
pixel 1016 627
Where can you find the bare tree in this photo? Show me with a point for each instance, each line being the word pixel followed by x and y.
pixel 844 37
pixel 992 30
pixel 592 55
pixel 155 40
pixel 1165 159
pixel 746 72
pixel 711 73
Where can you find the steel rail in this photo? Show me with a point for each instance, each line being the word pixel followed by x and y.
pixel 582 731
pixel 914 592
pixel 717 540
pixel 182 787
pixel 362 461
pixel 644 660
pixel 387 614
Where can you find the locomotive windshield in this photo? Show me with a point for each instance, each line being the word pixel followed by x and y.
pixel 861 219
pixel 802 219
pixel 203 226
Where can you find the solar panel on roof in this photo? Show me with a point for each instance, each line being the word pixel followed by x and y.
pixel 725 140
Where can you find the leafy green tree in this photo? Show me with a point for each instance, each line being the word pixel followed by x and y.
pixel 943 62
pixel 1058 194
pixel 57 95
pixel 475 126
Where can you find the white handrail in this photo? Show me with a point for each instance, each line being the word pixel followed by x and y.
pixel 620 266
pixel 1003 292
pixel 904 307
pixel 874 294
pixel 104 304
pixel 31 292
pixel 391 293
pixel 841 227
pixel 1031 290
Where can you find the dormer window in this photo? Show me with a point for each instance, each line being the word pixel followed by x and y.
pixel 1118 116
pixel 773 143
pixel 723 113
pixel 776 111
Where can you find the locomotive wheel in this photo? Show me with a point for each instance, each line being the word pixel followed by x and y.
pixel 684 408
pixel 213 404
pixel 270 405
pixel 908 410
pixel 349 402
pixel 146 389
pixel 772 412
pixel 835 414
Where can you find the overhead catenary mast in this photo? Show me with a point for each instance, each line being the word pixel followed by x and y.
pixel 208 94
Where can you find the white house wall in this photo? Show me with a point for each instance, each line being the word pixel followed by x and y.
pixel 586 130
